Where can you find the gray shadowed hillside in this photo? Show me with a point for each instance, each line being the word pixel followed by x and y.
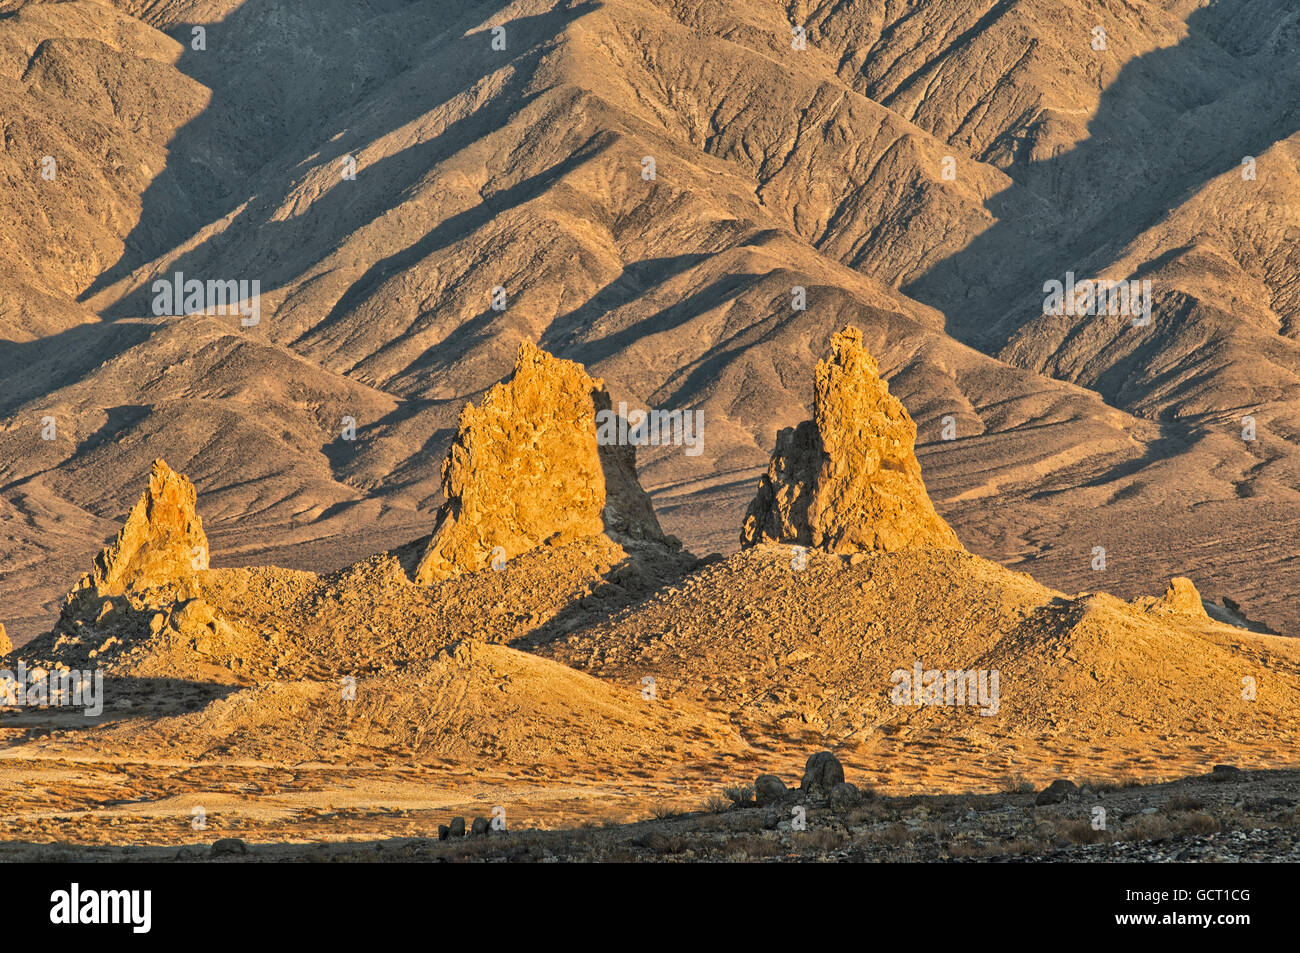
pixel 920 170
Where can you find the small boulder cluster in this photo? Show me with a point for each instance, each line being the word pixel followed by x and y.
pixel 1058 792
pixel 479 827
pixel 822 783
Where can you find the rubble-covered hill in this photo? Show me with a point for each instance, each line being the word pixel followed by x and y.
pixel 859 593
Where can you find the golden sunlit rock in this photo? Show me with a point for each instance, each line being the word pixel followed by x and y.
pixel 525 468
pixel 848 480
pixel 161 544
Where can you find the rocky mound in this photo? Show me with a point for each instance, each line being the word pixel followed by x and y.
pixel 831 652
pixel 468 702
pixel 252 624
pixel 848 480
pixel 370 618
pixel 525 469
pixel 142 603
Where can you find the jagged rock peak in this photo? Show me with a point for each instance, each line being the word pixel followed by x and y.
pixel 1181 598
pixel 848 480
pixel 161 543
pixel 525 469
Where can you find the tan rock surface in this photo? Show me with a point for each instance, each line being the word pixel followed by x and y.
pixel 808 658
pixel 525 468
pixel 848 480
pixel 162 542
pixel 1181 598
pixel 140 601
pixel 831 177
pixel 924 211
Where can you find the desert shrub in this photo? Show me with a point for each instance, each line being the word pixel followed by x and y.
pixel 1199 823
pixel 667 843
pixel 1149 827
pixel 822 839
pixel 1081 832
pixel 716 804
pixel 741 795
pixel 1099 784
pixel 868 812
pixel 892 834
pixel 1017 784
pixel 961 848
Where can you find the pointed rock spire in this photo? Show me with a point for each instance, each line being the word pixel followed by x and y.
pixel 848 480
pixel 525 468
pixel 1181 598
pixel 161 543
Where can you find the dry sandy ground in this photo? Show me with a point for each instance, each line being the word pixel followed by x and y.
pixel 462 704
pixel 391 813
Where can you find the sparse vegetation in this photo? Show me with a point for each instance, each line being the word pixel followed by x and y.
pixel 485 605
pixel 751 847
pixel 740 795
pixel 716 804
pixel 1017 784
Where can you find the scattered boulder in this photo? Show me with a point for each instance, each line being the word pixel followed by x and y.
pixel 1231 613
pixel 206 632
pixel 229 847
pixel 525 469
pixel 848 480
pixel 1225 772
pixel 769 789
pixel 192 616
pixel 480 827
pixel 444 832
pixel 844 796
pixel 1056 792
pixel 457 827
pixel 820 775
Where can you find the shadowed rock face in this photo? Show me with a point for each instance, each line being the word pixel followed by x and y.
pixel 848 480
pixel 525 469
pixel 162 542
